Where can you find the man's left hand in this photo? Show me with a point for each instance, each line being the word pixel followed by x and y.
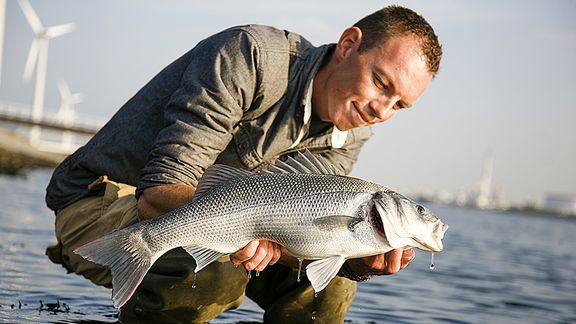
pixel 381 264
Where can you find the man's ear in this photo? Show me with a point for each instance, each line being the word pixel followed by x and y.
pixel 349 41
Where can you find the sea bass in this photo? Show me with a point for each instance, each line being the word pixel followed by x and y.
pixel 301 204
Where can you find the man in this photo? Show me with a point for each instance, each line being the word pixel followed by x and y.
pixel 246 97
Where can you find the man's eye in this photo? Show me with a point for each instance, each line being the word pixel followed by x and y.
pixel 378 82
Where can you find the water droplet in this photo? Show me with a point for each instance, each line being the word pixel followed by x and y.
pixel 432 266
pixel 315 295
pixel 299 269
pixel 194 281
pixel 257 273
pixel 249 274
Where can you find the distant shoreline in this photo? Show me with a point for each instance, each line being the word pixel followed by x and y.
pixel 17 155
pixel 17 163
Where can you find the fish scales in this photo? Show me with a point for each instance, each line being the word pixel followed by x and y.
pixel 271 216
pixel 317 216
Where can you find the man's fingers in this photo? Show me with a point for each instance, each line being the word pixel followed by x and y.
pixel 259 256
pixel 407 256
pixel 382 264
pixel 273 255
pixel 393 261
pixel 277 253
pixel 267 257
pixel 245 253
pixel 256 255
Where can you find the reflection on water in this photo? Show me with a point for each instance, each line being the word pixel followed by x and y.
pixel 496 268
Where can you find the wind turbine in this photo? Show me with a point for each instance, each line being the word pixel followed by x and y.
pixel 66 113
pixel 38 58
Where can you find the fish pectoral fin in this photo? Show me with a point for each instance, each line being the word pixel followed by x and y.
pixel 330 223
pixel 320 272
pixel 203 256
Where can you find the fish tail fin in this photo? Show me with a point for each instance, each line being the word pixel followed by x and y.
pixel 127 256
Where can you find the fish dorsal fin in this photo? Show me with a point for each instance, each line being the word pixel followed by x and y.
pixel 216 175
pixel 203 256
pixel 336 222
pixel 304 163
pixel 320 272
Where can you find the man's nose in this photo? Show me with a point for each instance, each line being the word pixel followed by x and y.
pixel 383 107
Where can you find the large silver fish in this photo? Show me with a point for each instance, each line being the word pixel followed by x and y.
pixel 301 204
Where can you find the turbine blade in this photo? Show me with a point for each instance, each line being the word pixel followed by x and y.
pixel 59 30
pixel 31 16
pixel 64 89
pixel 77 98
pixel 67 95
pixel 31 61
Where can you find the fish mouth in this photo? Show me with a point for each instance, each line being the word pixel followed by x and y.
pixel 376 221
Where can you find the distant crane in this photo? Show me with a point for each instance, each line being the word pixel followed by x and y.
pixel 38 58
pixel 485 197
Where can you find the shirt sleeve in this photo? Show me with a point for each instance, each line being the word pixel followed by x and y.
pixel 217 86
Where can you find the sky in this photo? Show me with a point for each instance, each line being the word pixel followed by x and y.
pixel 506 86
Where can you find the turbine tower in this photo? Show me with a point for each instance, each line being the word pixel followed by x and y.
pixel 38 58
pixel 2 25
pixel 66 113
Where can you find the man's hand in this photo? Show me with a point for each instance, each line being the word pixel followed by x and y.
pixel 257 254
pixel 381 264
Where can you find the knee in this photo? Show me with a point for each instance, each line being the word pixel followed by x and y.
pixel 305 306
pixel 173 289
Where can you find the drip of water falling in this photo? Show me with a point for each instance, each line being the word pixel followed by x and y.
pixel 194 281
pixel 249 274
pixel 257 274
pixel 299 269
pixel 432 261
pixel 314 306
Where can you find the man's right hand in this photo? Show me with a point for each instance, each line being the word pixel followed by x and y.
pixel 257 254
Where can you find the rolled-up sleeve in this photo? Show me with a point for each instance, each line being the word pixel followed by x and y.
pixel 217 86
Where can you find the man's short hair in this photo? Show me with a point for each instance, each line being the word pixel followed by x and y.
pixel 396 21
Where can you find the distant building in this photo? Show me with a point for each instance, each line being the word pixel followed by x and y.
pixel 558 202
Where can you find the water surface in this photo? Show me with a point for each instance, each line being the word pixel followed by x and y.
pixel 496 268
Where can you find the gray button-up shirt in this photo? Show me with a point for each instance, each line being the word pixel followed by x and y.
pixel 240 97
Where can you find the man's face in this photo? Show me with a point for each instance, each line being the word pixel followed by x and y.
pixel 370 87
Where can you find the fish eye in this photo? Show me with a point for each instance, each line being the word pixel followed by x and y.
pixel 421 210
